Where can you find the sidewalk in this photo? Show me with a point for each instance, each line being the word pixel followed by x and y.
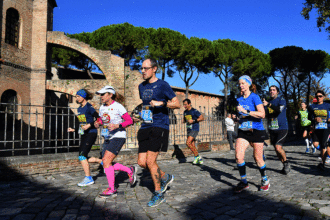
pixel 198 192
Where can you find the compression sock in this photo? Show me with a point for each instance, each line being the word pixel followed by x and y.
pixel 307 143
pixel 120 167
pixel 110 173
pixel 263 172
pixel 192 147
pixel 242 172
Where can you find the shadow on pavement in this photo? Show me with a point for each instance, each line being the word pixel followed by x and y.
pixel 27 198
pixel 224 204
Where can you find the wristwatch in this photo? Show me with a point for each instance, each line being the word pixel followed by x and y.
pixel 248 112
pixel 120 126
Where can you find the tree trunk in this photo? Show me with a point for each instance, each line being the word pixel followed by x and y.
pixel 225 101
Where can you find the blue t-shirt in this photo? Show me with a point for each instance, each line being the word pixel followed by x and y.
pixel 158 91
pixel 322 111
pixel 250 103
pixel 192 114
pixel 277 121
pixel 85 116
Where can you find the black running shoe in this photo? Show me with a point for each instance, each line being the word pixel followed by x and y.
pixel 286 169
pixel 240 187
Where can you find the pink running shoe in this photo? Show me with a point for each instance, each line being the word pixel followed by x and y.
pixel 108 193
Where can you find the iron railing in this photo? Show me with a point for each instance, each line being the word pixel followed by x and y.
pixel 34 129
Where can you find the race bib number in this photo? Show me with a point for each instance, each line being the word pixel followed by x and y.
pixel 322 125
pixel 105 132
pixel 273 125
pixel 247 125
pixel 81 131
pixel 189 126
pixel 188 117
pixel 146 114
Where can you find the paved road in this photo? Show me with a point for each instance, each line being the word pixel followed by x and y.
pixel 198 192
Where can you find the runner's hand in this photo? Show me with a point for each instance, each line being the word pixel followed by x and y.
pixel 112 127
pixel 71 130
pixel 154 103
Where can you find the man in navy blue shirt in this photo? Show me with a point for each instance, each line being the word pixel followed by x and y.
pixel 157 97
pixel 319 116
pixel 277 125
pixel 192 117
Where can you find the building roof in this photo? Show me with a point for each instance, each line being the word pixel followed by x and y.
pixel 196 91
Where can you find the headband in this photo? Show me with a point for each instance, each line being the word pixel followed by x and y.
pixel 247 79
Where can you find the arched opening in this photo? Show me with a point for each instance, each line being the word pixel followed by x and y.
pixel 12 27
pixel 9 101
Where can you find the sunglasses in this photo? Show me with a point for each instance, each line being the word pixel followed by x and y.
pixel 145 68
pixel 319 96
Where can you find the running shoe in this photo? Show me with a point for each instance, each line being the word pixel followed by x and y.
pixel 313 150
pixel 108 193
pixel 200 161
pixel 86 181
pixel 321 166
pixel 156 199
pixel 264 185
pixel 327 160
pixel 307 150
pixel 132 177
pixel 286 168
pixel 166 183
pixel 240 187
pixel 196 160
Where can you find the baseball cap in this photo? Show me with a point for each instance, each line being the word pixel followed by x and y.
pixel 106 89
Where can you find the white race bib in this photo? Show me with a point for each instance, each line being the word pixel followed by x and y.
pixel 273 125
pixel 245 126
pixel 146 114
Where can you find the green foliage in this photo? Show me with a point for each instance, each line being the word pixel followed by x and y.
pixel 323 11
pixel 124 40
pixel 164 45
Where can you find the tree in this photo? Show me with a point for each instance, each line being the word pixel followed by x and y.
pixel 163 45
pixel 285 66
pixel 193 58
pixel 232 59
pixel 323 11
pixel 314 63
pixel 124 40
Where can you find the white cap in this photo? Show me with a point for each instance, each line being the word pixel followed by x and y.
pixel 106 89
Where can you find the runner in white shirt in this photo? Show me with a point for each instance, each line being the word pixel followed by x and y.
pixel 113 121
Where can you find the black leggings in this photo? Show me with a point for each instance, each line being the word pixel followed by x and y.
pixel 87 141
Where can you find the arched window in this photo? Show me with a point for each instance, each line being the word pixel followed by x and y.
pixel 12 27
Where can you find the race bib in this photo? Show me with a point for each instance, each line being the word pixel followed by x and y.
pixel 247 125
pixel 189 126
pixel 105 132
pixel 322 125
pixel 146 114
pixel 81 131
pixel 273 125
pixel 188 117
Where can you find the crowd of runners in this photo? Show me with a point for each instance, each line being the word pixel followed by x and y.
pixel 158 97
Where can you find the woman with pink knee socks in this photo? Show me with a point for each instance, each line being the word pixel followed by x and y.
pixel 113 121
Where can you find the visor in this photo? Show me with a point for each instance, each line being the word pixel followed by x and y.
pixel 106 89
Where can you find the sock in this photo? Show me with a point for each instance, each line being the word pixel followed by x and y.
pixel 307 142
pixel 120 167
pixel 242 171
pixel 263 172
pixel 110 173
pixel 101 163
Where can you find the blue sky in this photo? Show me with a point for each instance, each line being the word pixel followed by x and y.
pixel 266 25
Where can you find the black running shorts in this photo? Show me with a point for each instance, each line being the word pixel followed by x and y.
pixel 253 136
pixel 86 143
pixel 278 137
pixel 321 136
pixel 153 139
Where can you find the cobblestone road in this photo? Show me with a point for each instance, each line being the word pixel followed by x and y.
pixel 198 192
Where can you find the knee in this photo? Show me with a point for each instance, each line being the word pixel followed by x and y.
pixel 142 163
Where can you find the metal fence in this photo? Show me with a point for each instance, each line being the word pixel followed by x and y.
pixel 32 129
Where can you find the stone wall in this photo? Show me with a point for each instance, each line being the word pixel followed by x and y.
pixel 48 165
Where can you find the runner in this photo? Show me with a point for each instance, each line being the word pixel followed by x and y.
pixel 86 115
pixel 230 127
pixel 305 126
pixel 250 129
pixel 278 125
pixel 157 97
pixel 319 116
pixel 112 113
pixel 192 117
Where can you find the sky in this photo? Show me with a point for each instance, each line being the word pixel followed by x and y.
pixel 266 25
